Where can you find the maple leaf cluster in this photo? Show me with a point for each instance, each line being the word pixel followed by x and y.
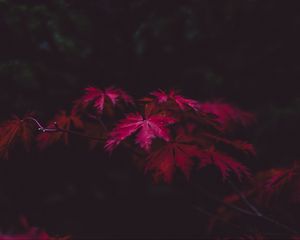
pixel 101 100
pixel 169 134
pixel 169 130
pixel 269 189
pixel 170 117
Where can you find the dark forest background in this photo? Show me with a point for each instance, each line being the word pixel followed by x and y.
pixel 245 52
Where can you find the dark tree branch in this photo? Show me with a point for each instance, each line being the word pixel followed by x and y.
pixel 58 129
pixel 258 213
pixel 254 211
pixel 245 200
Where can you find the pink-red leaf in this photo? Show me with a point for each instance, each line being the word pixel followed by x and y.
pixel 223 162
pixel 172 155
pixel 228 115
pixel 148 128
pixel 180 154
pixel 280 177
pixel 182 102
pixel 98 98
pixel 237 144
pixel 13 131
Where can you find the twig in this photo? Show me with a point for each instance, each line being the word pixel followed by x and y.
pixel 258 213
pixel 77 133
pixel 245 200
pixel 58 129
pixel 229 205
pixel 207 213
pixel 254 212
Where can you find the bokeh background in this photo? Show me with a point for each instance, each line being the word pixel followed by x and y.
pixel 245 52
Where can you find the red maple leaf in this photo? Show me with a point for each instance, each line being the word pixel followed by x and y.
pixel 63 121
pixel 177 153
pixel 148 128
pixel 180 153
pixel 265 184
pixel 281 177
pixel 228 115
pixel 223 162
pixel 278 181
pixel 182 102
pixel 98 98
pixel 14 131
pixel 237 144
pixel 244 146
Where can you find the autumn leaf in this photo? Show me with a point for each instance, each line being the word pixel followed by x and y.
pixel 64 122
pixel 180 153
pixel 244 146
pixel 147 128
pixel 237 144
pixel 182 102
pixel 275 182
pixel 223 162
pixel 287 179
pixel 228 115
pixel 279 178
pixel 98 98
pixel 14 131
pixel 262 187
pixel 174 154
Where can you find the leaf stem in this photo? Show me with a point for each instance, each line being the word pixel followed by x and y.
pixel 58 129
pixel 258 213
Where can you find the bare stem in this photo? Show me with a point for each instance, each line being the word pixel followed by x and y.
pixel 258 213
pixel 58 129
pixel 212 215
pixel 229 205
pixel 244 198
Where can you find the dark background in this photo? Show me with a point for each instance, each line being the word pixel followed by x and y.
pixel 245 52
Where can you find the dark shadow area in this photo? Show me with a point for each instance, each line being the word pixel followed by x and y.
pixel 245 52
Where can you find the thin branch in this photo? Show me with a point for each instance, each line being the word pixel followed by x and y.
pixel 254 212
pixel 58 129
pixel 229 205
pixel 245 200
pixel 77 133
pixel 209 214
pixel 258 213
pixel 102 124
pixel 40 127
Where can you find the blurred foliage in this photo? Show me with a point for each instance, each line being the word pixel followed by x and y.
pixel 243 51
pixel 229 49
pixel 240 51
